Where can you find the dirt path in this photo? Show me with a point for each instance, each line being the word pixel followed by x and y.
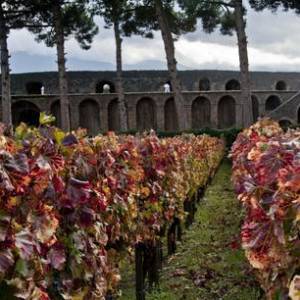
pixel 209 264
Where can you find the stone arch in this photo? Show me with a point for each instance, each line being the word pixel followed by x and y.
pixel 272 102
pixel 26 112
pixel 281 85
pixel 171 121
pixel 255 107
pixel 201 113
pixel 34 87
pixel 100 85
pixel 285 123
pixel 113 115
pixel 226 112
pixel 204 84
pixel 146 114
pixel 232 85
pixel 89 116
pixel 55 111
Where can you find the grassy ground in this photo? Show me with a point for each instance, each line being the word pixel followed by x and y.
pixel 208 264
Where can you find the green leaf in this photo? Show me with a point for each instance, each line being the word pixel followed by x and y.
pixel 46 119
pixel 264 147
pixel 21 131
pixel 278 295
pixel 21 267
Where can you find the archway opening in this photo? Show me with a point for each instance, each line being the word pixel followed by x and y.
pixel 233 85
pixel 204 84
pixel 272 103
pixel 285 124
pixel 105 86
pixel 255 107
pixel 171 121
pixel 55 111
pixel 114 116
pixel 26 112
pixel 146 114
pixel 201 113
pixel 89 116
pixel 226 112
pixel 34 87
pixel 281 86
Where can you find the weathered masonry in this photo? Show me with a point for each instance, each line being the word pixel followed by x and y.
pixel 212 99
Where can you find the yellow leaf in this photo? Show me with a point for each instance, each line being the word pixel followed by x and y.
pixel 2 141
pixel 13 201
pixel 46 119
pixel 59 135
pixel 145 192
pixel 21 130
pixel 80 295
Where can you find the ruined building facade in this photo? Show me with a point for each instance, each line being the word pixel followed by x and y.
pixel 212 99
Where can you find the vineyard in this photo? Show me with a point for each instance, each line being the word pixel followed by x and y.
pixel 160 172
pixel 73 207
pixel 266 174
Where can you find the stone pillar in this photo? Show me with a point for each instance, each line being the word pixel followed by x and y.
pixel 74 111
pixel 160 117
pixel 131 107
pixel 214 111
pixel 238 114
pixel 103 115
pixel 188 115
pixel 262 107
pixel 42 103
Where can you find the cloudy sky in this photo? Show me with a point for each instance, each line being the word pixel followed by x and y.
pixel 274 45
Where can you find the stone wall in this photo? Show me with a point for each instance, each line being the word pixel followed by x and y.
pixel 212 99
pixel 152 81
pixel 99 112
pixel 288 112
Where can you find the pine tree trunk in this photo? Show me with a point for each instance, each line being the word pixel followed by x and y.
pixel 119 83
pixel 61 62
pixel 244 64
pixel 5 73
pixel 172 63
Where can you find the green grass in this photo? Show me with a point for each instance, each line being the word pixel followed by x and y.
pixel 206 266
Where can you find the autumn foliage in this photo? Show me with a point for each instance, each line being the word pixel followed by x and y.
pixel 266 175
pixel 70 205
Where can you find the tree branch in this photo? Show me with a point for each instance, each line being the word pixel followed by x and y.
pixel 221 3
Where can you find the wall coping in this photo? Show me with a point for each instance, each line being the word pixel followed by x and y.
pixel 154 93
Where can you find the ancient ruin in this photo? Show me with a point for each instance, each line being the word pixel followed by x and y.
pixel 211 99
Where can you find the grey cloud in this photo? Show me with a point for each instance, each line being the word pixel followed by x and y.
pixel 274 32
pixel 267 32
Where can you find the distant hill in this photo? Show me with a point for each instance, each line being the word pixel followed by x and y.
pixel 23 62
